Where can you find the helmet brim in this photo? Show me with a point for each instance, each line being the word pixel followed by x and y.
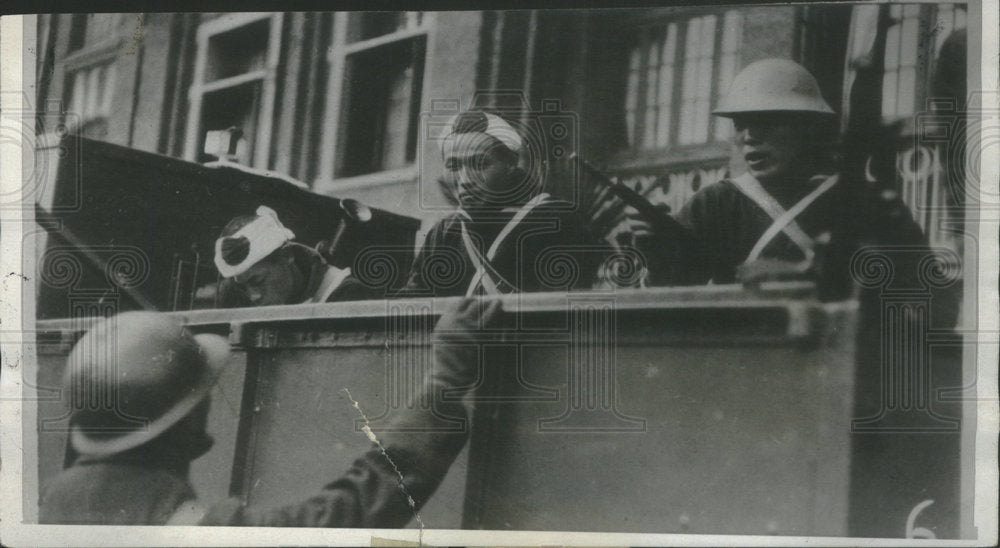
pixel 216 352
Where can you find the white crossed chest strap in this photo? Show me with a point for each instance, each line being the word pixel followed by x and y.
pixel 480 262
pixel 332 279
pixel 784 221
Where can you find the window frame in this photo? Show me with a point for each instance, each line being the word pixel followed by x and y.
pixel 267 76
pixel 85 59
pixel 337 57
pixel 926 59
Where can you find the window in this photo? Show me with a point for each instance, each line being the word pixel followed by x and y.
pixel 899 81
pixel 949 18
pixel 90 99
pixel 376 82
pixel 235 84
pixel 677 72
pixel 77 31
pixel 906 46
pixel 89 29
pixel 699 49
pixel 653 65
pixel 91 70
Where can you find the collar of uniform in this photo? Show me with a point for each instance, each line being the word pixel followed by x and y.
pixel 487 213
pixel 790 192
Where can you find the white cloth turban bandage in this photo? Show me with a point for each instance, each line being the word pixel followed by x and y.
pixel 496 127
pixel 264 234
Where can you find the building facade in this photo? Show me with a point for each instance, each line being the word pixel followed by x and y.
pixel 341 101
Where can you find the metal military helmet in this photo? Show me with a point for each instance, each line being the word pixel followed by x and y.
pixel 133 376
pixel 773 85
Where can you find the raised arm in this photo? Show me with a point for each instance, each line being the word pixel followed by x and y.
pixel 386 486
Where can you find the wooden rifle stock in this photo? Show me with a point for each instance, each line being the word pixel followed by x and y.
pixel 664 225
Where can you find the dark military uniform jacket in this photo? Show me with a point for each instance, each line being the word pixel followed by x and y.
pixel 538 246
pixel 725 224
pixel 116 491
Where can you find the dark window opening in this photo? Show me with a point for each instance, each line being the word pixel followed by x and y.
pixel 380 108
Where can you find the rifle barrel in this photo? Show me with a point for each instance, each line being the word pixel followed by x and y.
pixel 662 222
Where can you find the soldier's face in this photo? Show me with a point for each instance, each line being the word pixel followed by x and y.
pixel 773 145
pixel 274 280
pixel 480 168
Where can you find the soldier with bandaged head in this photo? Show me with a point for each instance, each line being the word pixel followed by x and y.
pixel 262 265
pixel 507 232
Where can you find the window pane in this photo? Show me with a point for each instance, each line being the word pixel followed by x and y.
pixel 693 36
pixel 666 87
pixel 102 26
pixel 907 91
pixel 110 75
pixel 705 78
pixel 663 124
pixel 670 45
pixel 687 104
pixel 653 58
pixel 945 25
pixel 732 32
pixel 732 35
pixel 232 107
pixel 397 120
pixel 78 31
pixel 889 94
pixel 908 42
pixel 702 120
pixel 92 93
pixel 652 81
pixel 632 95
pixel 697 89
pixel 707 37
pixel 79 82
pixel 365 26
pixel 630 127
pixel 892 48
pixel 238 51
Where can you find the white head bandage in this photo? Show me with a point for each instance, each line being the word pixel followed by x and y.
pixel 496 127
pixel 265 234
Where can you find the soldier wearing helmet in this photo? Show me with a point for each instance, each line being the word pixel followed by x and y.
pixel 505 227
pixel 764 222
pixel 261 265
pixel 139 386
